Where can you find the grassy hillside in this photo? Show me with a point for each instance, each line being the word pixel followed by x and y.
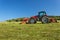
pixel 16 31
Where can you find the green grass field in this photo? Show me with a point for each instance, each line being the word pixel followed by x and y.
pixel 16 31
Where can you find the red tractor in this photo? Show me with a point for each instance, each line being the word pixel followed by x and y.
pixel 42 16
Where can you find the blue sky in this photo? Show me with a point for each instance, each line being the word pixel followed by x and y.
pixel 25 8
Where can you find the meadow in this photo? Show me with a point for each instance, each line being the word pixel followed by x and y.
pixel 39 31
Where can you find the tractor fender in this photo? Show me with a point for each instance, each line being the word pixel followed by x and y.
pixel 34 17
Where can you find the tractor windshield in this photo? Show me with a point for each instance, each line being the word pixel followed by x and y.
pixel 41 14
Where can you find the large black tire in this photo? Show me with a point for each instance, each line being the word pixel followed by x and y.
pixel 45 19
pixel 32 21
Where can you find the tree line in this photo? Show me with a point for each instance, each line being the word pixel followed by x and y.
pixel 20 19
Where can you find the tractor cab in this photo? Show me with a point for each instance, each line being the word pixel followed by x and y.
pixel 41 14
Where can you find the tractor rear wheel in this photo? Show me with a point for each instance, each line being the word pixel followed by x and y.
pixel 45 19
pixel 32 21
